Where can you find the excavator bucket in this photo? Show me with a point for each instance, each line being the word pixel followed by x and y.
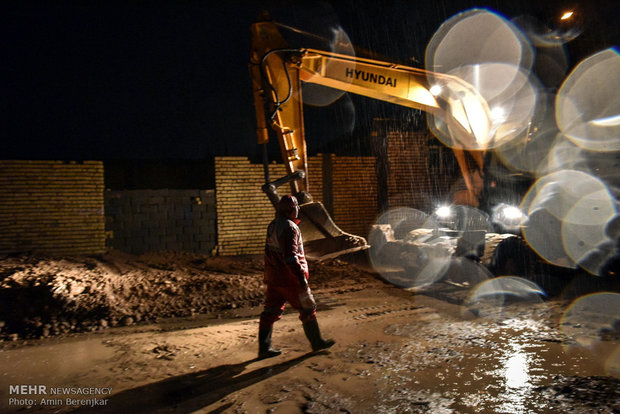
pixel 323 239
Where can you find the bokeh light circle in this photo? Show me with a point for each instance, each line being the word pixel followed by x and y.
pixel 405 250
pixel 314 25
pixel 588 104
pixel 529 150
pixel 489 298
pixel 477 36
pixel 553 34
pixel 567 212
pixel 583 228
pixel 319 95
pixel 510 95
pixel 592 320
pixel 492 55
pixel 564 155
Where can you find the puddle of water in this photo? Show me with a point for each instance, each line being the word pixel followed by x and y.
pixel 468 367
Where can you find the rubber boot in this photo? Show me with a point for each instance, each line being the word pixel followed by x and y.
pixel 264 344
pixel 312 331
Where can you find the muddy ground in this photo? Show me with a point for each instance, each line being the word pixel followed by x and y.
pixel 177 333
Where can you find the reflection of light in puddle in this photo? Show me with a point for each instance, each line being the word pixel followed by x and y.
pixel 517 368
pixel 517 380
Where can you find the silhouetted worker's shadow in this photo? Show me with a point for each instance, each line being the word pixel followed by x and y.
pixel 190 392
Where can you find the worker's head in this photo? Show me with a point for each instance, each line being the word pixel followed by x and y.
pixel 288 207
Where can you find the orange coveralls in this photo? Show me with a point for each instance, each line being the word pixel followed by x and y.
pixel 286 273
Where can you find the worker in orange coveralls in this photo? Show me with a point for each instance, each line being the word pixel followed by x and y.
pixel 286 280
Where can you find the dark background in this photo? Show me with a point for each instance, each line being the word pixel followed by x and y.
pixel 151 81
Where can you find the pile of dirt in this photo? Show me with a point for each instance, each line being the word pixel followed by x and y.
pixel 45 296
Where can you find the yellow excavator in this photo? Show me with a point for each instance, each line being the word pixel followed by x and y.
pixel 277 72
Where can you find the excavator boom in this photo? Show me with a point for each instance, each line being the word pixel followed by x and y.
pixel 277 73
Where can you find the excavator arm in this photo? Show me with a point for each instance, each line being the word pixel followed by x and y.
pixel 277 73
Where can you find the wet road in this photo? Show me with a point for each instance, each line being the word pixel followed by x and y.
pixel 396 352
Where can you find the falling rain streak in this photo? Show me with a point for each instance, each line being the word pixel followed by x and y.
pixel 567 140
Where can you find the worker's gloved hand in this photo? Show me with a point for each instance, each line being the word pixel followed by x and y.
pixel 306 299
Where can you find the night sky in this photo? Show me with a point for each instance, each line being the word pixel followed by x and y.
pixel 169 80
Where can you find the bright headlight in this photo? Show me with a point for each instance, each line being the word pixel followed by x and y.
pixel 508 216
pixel 443 212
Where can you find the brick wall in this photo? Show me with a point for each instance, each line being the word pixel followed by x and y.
pixel 354 194
pixel 315 178
pixel 414 177
pixel 140 221
pixel 408 180
pixel 51 207
pixel 57 207
pixel 243 210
